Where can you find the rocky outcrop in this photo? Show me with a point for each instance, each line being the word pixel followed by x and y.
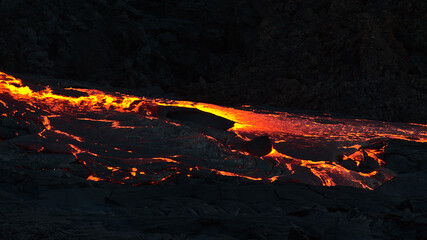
pixel 363 58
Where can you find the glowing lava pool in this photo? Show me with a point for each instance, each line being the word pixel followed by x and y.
pixel 137 140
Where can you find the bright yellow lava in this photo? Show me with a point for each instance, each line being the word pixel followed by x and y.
pixel 278 125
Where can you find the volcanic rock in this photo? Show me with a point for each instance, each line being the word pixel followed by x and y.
pixel 194 116
pixel 364 58
pixel 398 163
pixel 296 233
pixel 8 133
pixel 349 164
pixel 368 165
pixel 29 142
pixel 226 210
pixel 258 146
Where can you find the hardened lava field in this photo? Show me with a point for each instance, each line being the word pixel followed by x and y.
pixel 137 140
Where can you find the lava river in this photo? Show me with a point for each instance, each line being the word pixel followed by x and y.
pixel 137 140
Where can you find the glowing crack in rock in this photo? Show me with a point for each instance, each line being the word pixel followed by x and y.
pixel 129 139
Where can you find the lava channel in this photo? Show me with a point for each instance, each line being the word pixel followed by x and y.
pixel 137 140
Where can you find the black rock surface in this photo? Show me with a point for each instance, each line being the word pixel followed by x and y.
pixel 258 146
pixel 362 58
pixel 197 117
pixel 39 199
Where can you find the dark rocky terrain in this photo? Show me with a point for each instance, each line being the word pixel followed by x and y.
pixel 362 58
pixel 45 194
pixel 40 199
pixel 356 57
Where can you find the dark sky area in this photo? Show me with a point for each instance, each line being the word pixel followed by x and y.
pixel 359 58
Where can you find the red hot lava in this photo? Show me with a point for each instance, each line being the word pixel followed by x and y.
pixel 130 139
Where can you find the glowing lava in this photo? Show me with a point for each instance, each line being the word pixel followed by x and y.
pixel 123 138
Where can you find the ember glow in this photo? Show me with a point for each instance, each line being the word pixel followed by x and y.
pixel 130 139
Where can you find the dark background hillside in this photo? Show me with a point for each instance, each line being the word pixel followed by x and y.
pixel 355 57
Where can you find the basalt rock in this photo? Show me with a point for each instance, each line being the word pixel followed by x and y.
pixel 197 117
pixel 363 58
pixel 258 146
pixel 368 165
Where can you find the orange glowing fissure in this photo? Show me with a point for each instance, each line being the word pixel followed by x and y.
pixel 282 128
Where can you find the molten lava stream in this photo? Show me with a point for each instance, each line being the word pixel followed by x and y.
pixel 123 138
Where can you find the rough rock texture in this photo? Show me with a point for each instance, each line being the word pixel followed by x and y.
pixel 41 200
pixel 45 194
pixel 357 57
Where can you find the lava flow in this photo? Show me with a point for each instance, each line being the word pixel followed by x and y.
pixel 129 139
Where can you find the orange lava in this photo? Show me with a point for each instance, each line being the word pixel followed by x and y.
pixel 281 127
